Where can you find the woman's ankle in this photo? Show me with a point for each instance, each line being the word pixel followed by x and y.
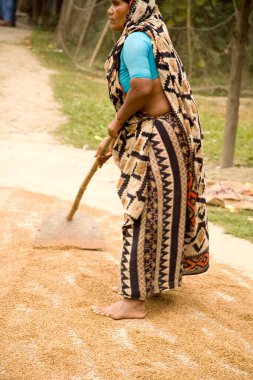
pixel 135 301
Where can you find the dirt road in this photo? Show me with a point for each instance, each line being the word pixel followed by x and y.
pixel 48 332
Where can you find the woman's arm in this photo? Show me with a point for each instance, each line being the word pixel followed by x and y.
pixel 140 89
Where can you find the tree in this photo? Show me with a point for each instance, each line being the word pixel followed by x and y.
pixel 237 59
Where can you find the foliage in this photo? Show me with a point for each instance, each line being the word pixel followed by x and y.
pixel 210 44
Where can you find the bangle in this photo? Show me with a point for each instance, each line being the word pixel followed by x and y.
pixel 118 122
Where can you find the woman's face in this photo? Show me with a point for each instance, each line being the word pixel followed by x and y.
pixel 117 14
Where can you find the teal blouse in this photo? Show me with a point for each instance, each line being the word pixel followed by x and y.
pixel 137 59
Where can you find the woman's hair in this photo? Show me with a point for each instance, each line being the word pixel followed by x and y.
pixel 127 1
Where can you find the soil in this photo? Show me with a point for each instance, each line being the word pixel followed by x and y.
pixel 47 328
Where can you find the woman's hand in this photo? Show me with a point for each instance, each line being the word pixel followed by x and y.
pixel 103 158
pixel 114 128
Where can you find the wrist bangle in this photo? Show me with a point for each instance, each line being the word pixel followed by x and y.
pixel 118 122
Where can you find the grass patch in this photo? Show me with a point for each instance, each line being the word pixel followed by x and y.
pixel 42 43
pixel 87 106
pixel 212 116
pixel 236 224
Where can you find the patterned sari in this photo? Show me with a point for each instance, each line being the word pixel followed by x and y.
pixel 161 187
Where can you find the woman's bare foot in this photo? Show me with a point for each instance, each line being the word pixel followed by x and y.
pixel 123 309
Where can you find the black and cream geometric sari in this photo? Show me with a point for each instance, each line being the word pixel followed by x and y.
pixel 161 186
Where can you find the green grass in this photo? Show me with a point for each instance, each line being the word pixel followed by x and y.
pixel 212 115
pixel 236 224
pixel 213 126
pixel 43 44
pixel 87 106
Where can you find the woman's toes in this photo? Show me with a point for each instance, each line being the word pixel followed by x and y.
pixel 99 310
pixel 96 309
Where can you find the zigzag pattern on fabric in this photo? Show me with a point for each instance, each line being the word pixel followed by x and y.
pixel 163 276
pixel 144 16
pixel 125 279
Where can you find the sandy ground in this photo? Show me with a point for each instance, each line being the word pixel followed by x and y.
pixel 48 332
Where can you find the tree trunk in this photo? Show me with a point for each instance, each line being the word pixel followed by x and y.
pixel 37 8
pixel 64 17
pixel 237 58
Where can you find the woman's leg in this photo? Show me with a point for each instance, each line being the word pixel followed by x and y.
pixel 138 261
pixel 130 306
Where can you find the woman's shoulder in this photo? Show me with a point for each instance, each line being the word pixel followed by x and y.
pixel 138 38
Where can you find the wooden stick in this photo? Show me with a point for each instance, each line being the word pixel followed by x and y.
pixel 87 180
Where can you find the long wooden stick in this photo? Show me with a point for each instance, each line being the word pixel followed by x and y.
pixel 87 180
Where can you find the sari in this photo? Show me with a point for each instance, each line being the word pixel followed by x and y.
pixel 162 183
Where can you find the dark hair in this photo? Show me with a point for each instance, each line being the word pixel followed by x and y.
pixel 127 1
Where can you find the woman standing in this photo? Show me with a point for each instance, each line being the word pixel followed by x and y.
pixel 158 147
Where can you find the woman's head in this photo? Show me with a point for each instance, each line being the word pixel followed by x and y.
pixel 130 11
pixel 117 13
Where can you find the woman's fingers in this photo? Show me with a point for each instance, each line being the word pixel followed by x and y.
pixel 114 128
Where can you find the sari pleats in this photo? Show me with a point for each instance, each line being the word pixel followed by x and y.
pixel 153 245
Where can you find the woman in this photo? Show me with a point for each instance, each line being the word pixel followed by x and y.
pixel 158 147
